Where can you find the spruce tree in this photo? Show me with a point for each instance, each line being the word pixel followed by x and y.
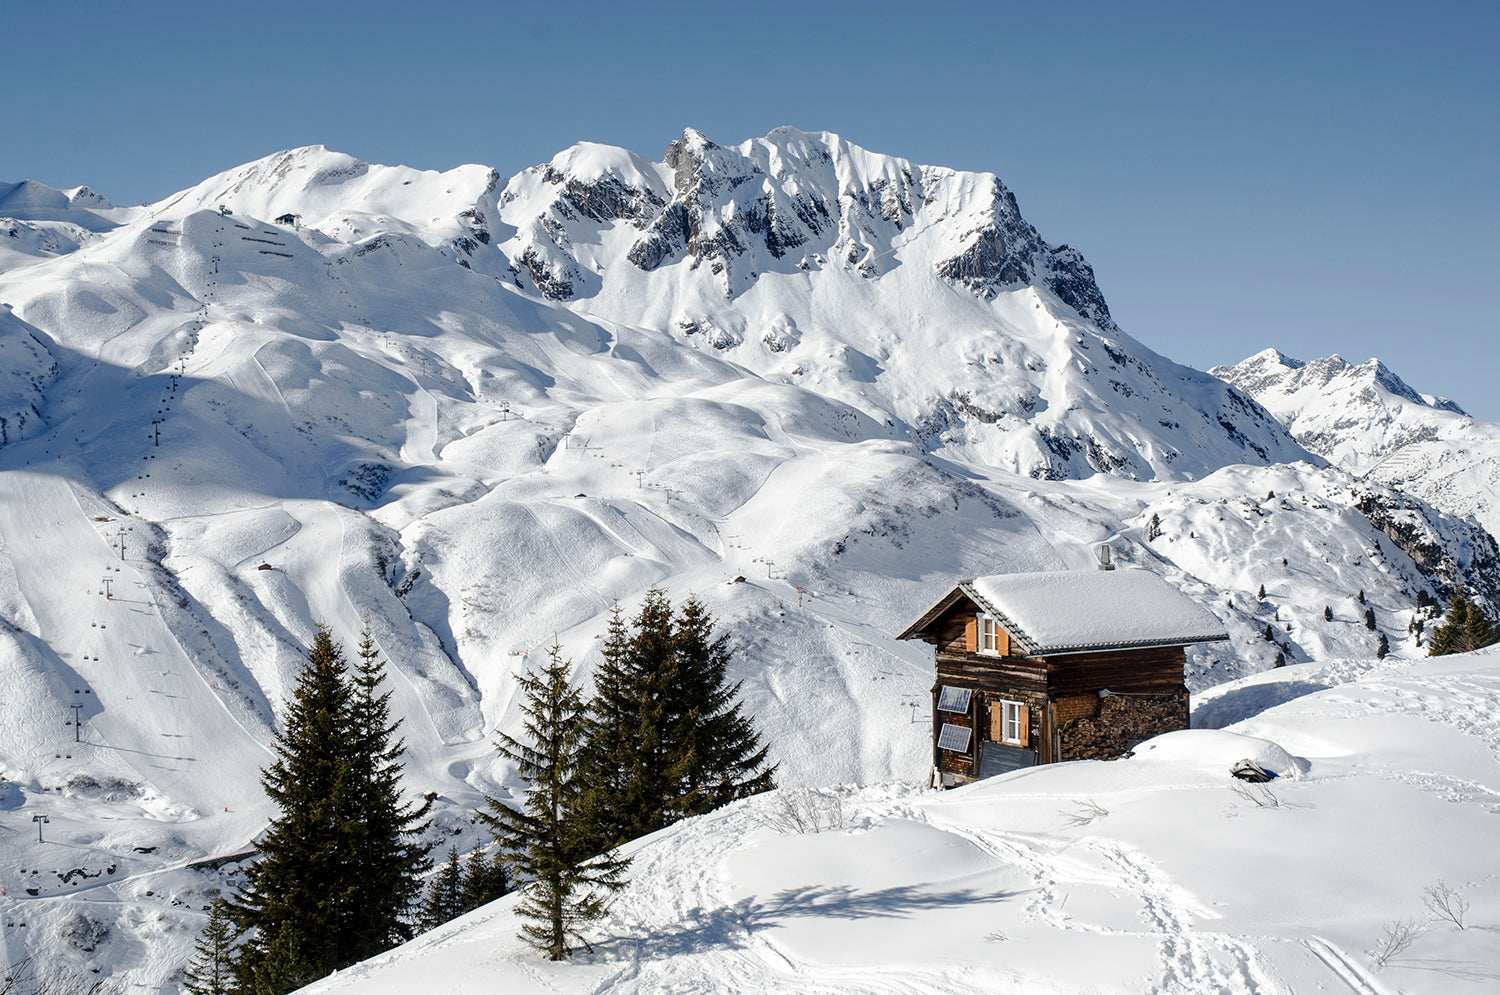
pixel 295 897
pixel 1261 594
pixel 1464 628
pixel 1383 648
pixel 1370 619
pixel 210 971
pixel 444 899
pixel 624 759
pixel 389 855
pixel 718 755
pixel 567 882
pixel 485 879
pixel 1153 528
pixel 337 866
pixel 666 737
pixel 1327 613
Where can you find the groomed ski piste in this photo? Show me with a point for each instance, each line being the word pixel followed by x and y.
pixel 1157 873
pixel 217 431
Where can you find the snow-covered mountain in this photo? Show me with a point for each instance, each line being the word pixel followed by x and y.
pixel 1367 420
pixel 809 383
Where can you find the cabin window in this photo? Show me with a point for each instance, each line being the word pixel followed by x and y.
pixel 1008 723
pixel 989 636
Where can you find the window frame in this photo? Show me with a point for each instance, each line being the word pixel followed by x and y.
pixel 1010 722
pixel 987 636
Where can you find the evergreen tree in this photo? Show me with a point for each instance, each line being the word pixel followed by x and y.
pixel 210 971
pixel 485 879
pixel 1370 619
pixel 547 842
pixel 1261 594
pixel 1327 613
pixel 336 871
pixel 1153 528
pixel 1270 634
pixel 666 737
pixel 717 754
pixel 1383 648
pixel 1464 628
pixel 621 755
pixel 444 899
pixel 389 855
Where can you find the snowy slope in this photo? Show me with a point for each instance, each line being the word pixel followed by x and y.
pixel 1366 419
pixel 1160 873
pixel 376 411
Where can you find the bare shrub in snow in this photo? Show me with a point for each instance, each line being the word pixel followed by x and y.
pixel 1259 794
pixel 802 810
pixel 1445 903
pixel 1398 936
pixel 1084 813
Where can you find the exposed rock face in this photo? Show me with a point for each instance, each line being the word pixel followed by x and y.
pixel 1451 553
pixel 741 209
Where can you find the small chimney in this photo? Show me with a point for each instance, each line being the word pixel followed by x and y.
pixel 1104 563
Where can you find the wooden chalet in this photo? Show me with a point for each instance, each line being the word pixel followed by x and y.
pixel 1041 667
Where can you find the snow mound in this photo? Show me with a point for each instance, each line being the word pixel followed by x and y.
pixel 1216 751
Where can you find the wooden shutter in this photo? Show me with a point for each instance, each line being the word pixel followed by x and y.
pixel 997 724
pixel 997 721
pixel 971 635
pixel 1002 641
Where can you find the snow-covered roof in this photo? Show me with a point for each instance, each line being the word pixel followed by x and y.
pixel 1055 612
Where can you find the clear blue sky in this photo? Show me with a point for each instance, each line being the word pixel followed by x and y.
pixel 1319 177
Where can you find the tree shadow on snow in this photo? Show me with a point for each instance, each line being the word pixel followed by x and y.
pixel 731 926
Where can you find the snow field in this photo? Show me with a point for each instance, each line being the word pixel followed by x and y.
pixel 1155 874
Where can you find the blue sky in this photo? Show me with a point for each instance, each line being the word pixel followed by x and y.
pixel 1315 177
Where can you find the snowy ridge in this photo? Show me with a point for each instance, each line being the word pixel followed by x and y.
pixel 373 410
pixel 1366 419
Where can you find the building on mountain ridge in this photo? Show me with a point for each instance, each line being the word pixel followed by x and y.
pixel 1064 665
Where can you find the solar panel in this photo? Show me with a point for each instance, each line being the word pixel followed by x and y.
pixel 954 699
pixel 955 738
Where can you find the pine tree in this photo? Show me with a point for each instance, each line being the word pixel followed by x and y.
pixel 1261 594
pixel 1360 597
pixel 1370 619
pixel 1327 613
pixel 567 882
pixel 717 754
pixel 295 896
pixel 210 971
pixel 1464 628
pixel 485 879
pixel 1153 528
pixel 336 870
pixel 1383 648
pixel 444 899
pixel 1270 633
pixel 389 855
pixel 666 738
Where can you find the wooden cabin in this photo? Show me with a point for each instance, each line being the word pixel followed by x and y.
pixel 1042 667
pixel 288 219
